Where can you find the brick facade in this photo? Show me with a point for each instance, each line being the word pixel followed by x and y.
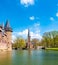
pixel 5 37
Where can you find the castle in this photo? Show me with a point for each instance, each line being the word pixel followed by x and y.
pixel 5 36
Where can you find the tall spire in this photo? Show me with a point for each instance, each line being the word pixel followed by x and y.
pixel 0 28
pixel 7 26
pixel 28 33
pixel 28 44
pixel 3 26
pixel 0 25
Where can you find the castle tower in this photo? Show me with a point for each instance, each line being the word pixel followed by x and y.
pixel 8 32
pixel 29 45
pixel 28 38
pixel 0 32
pixel 2 26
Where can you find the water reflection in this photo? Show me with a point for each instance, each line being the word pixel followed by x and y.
pixel 29 57
pixel 5 58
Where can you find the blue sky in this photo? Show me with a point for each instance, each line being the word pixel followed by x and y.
pixel 37 15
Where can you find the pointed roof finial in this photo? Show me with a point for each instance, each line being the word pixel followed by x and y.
pixel 7 26
pixel 28 32
pixel 3 25
pixel 0 25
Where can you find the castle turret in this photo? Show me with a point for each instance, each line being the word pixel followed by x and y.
pixel 28 35
pixel 8 31
pixel 29 45
pixel 0 32
pixel 0 28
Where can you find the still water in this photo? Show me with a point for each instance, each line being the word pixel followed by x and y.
pixel 25 57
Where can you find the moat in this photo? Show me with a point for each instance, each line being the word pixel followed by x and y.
pixel 25 57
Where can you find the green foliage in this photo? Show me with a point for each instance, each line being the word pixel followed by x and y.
pixel 52 49
pixel 19 43
pixel 35 42
pixel 51 39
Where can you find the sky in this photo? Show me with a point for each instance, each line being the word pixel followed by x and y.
pixel 38 15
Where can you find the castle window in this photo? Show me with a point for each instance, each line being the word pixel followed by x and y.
pixel 0 31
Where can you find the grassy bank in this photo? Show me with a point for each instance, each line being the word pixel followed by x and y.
pixel 51 48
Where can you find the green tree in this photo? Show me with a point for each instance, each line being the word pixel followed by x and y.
pixel 19 43
pixel 47 38
pixel 51 38
pixel 54 34
pixel 35 42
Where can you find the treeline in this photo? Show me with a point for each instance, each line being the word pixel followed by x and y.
pixel 19 43
pixel 49 39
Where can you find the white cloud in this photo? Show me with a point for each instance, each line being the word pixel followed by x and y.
pixel 23 33
pixel 13 38
pixel 35 35
pixel 35 27
pixel 34 32
pixel 57 14
pixel 51 18
pixel 32 18
pixel 26 3
pixel 36 24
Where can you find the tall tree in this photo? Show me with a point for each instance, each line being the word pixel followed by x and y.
pixel 20 43
pixel 35 42
pixel 50 38
pixel 54 34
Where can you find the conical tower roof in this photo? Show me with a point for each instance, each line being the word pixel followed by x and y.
pixel 28 33
pixel 7 26
pixel 3 26
pixel 0 26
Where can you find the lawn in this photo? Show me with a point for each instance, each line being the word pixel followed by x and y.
pixel 51 48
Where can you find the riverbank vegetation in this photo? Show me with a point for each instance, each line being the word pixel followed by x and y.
pixel 52 49
pixel 49 40
pixel 19 43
